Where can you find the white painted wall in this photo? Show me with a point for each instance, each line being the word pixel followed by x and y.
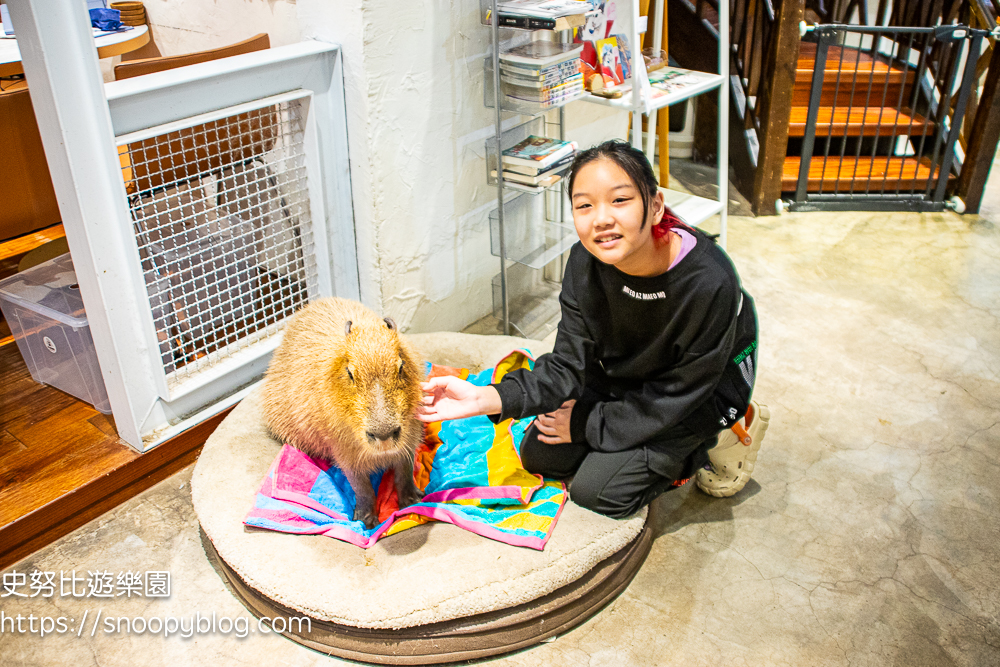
pixel 417 126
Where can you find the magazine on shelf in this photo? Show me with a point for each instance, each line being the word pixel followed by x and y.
pixel 540 152
pixel 673 79
pixel 544 8
pixel 541 53
pixel 541 181
pixel 534 170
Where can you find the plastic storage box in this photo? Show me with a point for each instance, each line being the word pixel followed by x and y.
pixel 45 312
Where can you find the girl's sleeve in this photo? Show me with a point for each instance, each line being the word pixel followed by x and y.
pixel 662 402
pixel 557 376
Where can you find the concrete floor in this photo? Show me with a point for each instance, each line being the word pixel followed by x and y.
pixel 868 536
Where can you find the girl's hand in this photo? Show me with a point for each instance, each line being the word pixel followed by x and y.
pixel 553 427
pixel 448 397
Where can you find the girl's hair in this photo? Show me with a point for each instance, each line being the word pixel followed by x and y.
pixel 634 163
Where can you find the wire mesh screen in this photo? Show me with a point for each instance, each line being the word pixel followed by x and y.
pixel 222 222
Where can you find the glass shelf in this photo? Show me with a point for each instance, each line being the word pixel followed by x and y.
pixel 692 209
pixel 531 238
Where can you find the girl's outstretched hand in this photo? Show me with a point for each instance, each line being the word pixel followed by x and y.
pixel 448 397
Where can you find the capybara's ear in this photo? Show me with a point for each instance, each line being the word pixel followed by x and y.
pixel 347 328
pixel 389 323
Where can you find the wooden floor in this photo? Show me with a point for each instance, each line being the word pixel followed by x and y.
pixel 62 464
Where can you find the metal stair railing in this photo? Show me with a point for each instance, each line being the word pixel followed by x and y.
pixel 921 75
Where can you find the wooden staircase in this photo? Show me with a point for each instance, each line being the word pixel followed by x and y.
pixel 863 110
pixel 772 77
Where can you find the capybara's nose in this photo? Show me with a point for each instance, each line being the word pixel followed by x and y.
pixel 384 434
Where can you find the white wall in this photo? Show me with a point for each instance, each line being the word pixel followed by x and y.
pixel 417 125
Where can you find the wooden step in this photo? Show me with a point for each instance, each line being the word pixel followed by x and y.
pixel 859 121
pixel 863 80
pixel 903 173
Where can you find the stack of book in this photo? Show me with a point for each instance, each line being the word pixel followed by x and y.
pixel 537 162
pixel 543 73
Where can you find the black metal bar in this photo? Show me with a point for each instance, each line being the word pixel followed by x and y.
pixel 946 73
pixel 897 29
pixel 968 80
pixel 931 106
pixel 864 122
pixel 917 205
pixel 878 128
pixel 809 140
pixel 944 107
pixel 847 125
pixel 836 94
pixel 895 126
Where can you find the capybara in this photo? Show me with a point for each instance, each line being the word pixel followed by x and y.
pixel 344 386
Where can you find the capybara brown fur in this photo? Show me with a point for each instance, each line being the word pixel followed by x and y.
pixel 344 386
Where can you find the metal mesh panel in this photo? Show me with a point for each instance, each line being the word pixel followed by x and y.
pixel 222 221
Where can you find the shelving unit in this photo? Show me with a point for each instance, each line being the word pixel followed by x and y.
pixel 515 232
pixel 516 235
pixel 691 209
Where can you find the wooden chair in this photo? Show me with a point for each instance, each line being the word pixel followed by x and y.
pixel 27 199
pixel 182 155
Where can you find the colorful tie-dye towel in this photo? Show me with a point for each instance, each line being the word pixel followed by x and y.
pixel 469 471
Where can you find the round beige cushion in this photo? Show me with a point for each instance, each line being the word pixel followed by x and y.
pixel 432 573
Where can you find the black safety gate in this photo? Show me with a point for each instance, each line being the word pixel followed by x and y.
pixel 886 107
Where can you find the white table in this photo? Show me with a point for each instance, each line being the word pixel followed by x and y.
pixel 109 45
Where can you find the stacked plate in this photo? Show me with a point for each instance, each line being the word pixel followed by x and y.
pixel 133 13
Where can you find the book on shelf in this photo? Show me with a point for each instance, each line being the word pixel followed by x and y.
pixel 534 170
pixel 540 181
pixel 535 83
pixel 551 77
pixel 559 70
pixel 539 152
pixel 544 91
pixel 541 54
pixel 552 103
pixel 569 89
pixel 535 23
pixel 544 8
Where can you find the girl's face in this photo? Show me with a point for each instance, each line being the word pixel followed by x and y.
pixel 607 213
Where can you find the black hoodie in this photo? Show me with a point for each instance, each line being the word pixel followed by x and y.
pixel 678 348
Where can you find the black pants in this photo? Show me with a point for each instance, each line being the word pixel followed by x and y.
pixel 618 484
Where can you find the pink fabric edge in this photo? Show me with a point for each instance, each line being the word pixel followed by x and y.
pixel 441 514
pixel 306 501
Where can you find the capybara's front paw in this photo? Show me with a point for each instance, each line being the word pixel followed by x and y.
pixel 369 517
pixel 410 497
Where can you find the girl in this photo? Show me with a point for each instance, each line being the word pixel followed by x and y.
pixel 654 356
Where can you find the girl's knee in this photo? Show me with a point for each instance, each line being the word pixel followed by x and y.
pixel 530 459
pixel 596 501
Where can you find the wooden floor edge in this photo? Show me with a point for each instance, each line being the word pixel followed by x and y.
pixel 65 514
